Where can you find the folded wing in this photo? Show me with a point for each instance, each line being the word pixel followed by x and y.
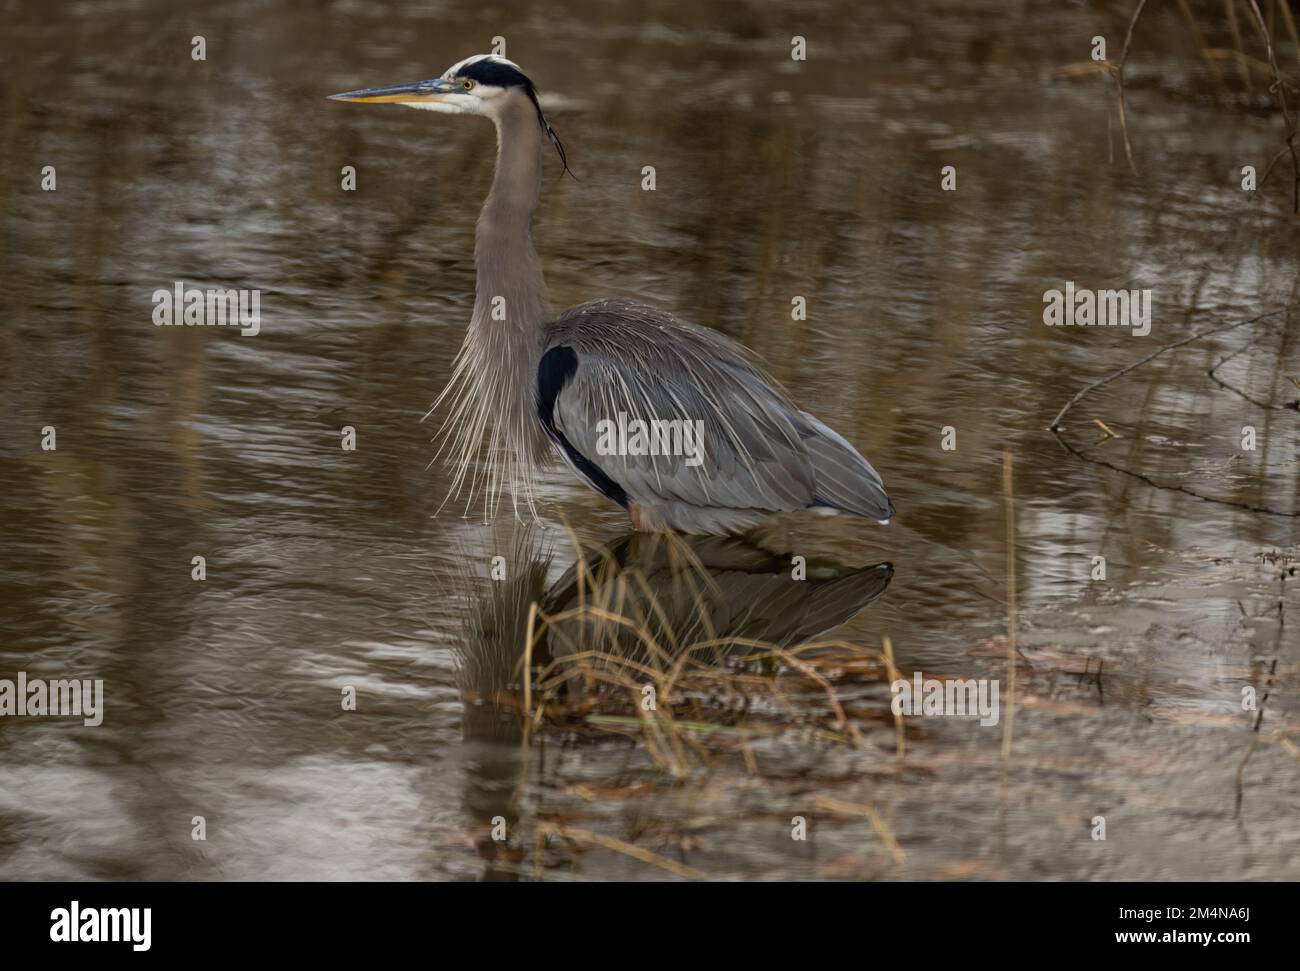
pixel 612 367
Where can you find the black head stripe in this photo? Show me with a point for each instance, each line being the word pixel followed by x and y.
pixel 495 72
pixel 502 75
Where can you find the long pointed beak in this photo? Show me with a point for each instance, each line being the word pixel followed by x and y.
pixel 415 92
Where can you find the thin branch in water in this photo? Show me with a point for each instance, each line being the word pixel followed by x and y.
pixel 1262 405
pixel 1056 422
pixel 1119 86
pixel 1055 426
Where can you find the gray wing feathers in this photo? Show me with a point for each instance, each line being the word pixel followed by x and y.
pixel 639 362
pixel 845 480
pixel 759 451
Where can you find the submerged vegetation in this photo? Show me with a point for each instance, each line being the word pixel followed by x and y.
pixel 700 651
pixel 695 647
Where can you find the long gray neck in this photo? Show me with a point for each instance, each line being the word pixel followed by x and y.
pixel 499 358
pixel 504 256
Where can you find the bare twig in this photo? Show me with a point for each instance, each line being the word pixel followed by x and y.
pixel 1119 86
pixel 1262 405
pixel 1055 426
pixel 1056 422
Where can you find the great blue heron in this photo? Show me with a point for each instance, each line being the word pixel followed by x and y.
pixel 675 422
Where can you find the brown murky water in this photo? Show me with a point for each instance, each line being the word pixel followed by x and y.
pixel 328 568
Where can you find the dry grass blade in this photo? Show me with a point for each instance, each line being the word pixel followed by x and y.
pixel 900 748
pixel 839 806
pixel 619 846
pixel 1289 747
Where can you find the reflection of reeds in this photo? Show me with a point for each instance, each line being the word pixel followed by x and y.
pixel 496 611
pixel 1009 501
pixel 1279 82
pixel 1279 737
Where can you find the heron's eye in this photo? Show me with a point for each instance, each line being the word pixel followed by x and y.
pixel 469 85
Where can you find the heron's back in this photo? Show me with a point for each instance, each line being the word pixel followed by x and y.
pixel 614 363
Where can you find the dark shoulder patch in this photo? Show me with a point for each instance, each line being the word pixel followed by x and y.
pixel 554 371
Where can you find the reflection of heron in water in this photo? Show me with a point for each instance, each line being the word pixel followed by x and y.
pixel 708 589
pixel 525 380
pixel 674 592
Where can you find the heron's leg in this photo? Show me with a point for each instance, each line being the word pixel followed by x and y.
pixel 636 514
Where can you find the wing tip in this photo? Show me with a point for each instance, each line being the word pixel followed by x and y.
pixel 829 507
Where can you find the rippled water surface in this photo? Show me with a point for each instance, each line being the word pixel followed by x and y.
pixel 328 569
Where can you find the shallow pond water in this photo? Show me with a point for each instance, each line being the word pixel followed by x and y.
pixel 328 568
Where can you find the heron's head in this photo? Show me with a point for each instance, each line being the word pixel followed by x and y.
pixel 484 84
